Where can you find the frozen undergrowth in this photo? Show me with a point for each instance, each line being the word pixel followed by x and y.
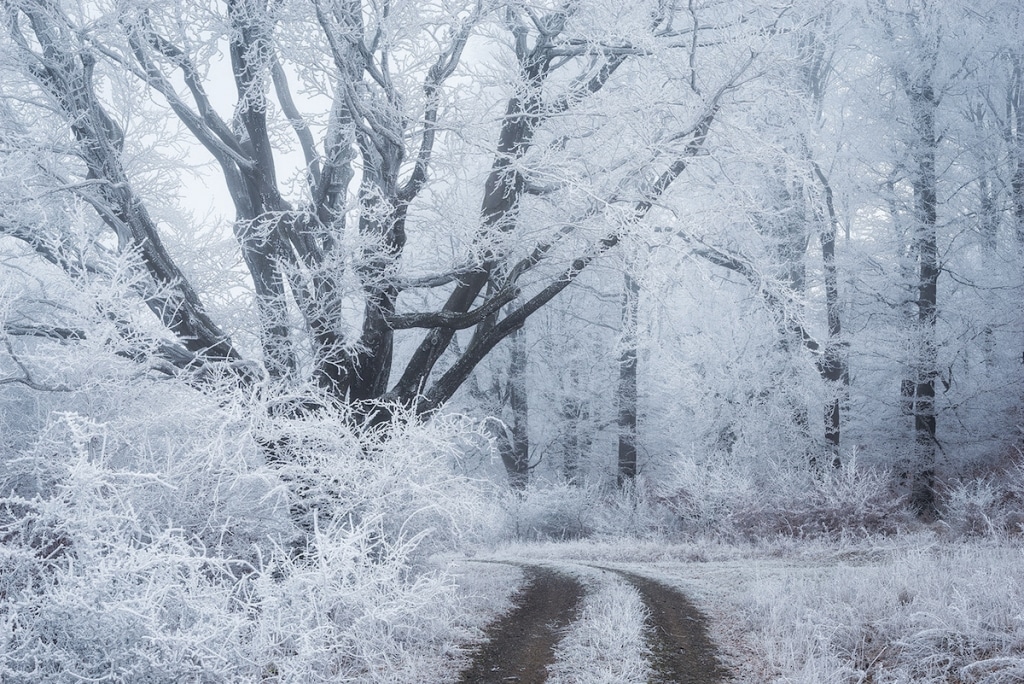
pixel 949 613
pixel 144 538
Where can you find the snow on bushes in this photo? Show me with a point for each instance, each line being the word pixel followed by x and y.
pixel 144 538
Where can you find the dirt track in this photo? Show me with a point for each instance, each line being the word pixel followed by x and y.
pixel 681 649
pixel 521 645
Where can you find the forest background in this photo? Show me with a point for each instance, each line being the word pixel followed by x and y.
pixel 297 294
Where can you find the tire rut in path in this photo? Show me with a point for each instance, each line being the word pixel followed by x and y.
pixel 681 650
pixel 521 644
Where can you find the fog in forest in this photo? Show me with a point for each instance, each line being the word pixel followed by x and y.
pixel 335 332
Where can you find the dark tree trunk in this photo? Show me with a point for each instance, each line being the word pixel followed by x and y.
pixel 923 106
pixel 512 435
pixel 627 391
pixel 575 434
pixel 519 473
pixel 791 237
pixel 834 369
pixel 1015 126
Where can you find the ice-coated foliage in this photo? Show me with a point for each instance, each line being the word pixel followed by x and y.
pixel 764 499
pixel 924 615
pixel 145 538
pixel 687 256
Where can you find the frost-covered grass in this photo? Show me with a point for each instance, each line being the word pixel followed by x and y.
pixel 812 579
pixel 485 591
pixel 606 644
pixel 940 613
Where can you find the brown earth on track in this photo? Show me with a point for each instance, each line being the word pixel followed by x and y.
pixel 681 650
pixel 521 644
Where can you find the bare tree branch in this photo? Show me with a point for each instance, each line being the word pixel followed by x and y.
pixel 450 319
pixel 26 376
pixel 443 68
pixel 46 331
pixel 299 125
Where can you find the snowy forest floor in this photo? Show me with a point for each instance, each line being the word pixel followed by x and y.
pixel 906 608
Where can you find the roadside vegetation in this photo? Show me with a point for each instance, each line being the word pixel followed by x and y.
pixel 144 538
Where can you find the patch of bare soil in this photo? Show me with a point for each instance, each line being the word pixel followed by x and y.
pixel 681 650
pixel 521 644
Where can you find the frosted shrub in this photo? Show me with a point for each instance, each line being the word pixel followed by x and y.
pixel 558 511
pixel 702 495
pixel 637 511
pixel 720 497
pixel 717 497
pixel 402 484
pixel 551 510
pixel 971 508
pixel 988 505
pixel 847 502
pixel 92 589
pixel 144 538
pixel 352 609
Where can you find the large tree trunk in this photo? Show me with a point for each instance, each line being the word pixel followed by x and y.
pixel 923 105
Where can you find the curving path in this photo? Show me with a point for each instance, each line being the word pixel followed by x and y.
pixel 521 645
